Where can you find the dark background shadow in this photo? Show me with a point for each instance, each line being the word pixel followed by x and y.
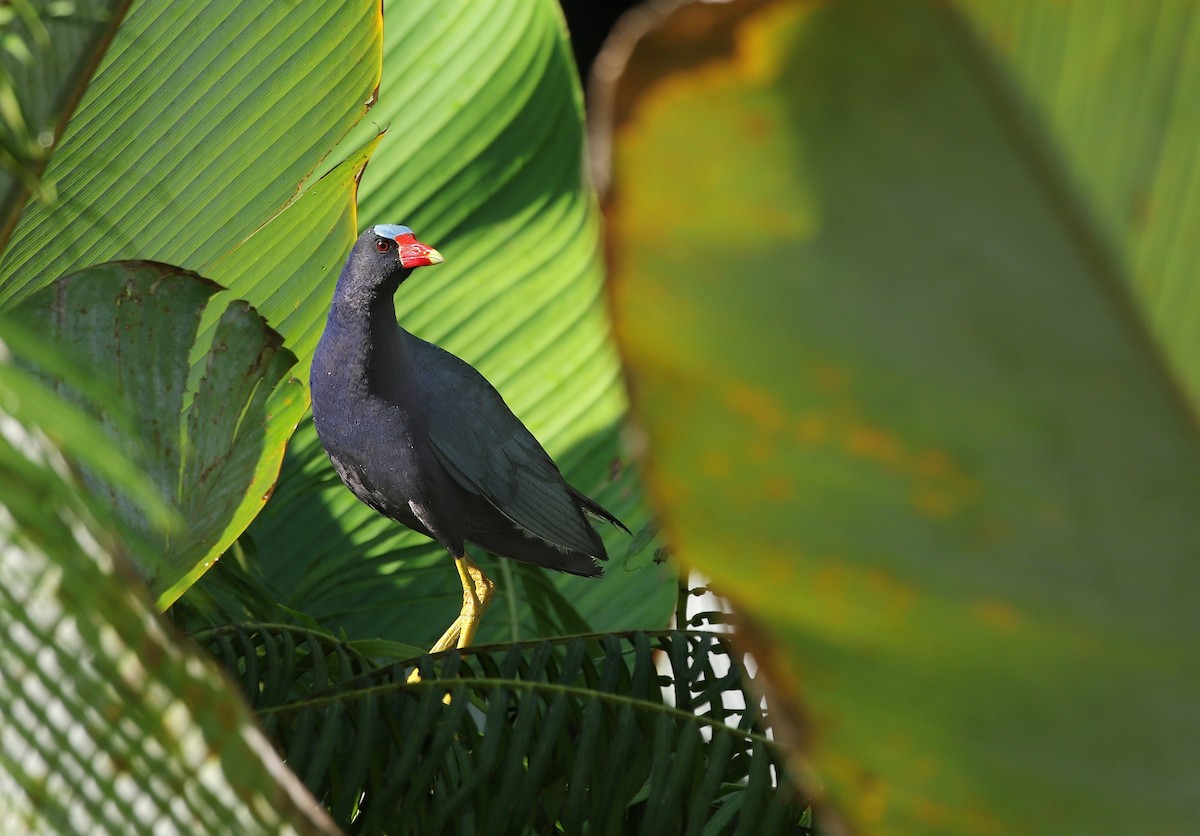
pixel 590 23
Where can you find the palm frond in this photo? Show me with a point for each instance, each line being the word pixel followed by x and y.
pixel 607 733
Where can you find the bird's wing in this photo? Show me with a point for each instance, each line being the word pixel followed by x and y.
pixel 490 452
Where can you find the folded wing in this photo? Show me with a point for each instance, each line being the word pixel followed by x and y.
pixel 488 451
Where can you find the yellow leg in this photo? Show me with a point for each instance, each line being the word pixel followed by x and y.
pixel 478 590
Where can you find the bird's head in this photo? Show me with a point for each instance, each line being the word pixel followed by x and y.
pixel 396 246
pixel 382 258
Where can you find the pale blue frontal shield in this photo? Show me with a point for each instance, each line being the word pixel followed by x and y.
pixel 392 231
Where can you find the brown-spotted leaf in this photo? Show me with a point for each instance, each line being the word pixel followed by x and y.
pixel 901 408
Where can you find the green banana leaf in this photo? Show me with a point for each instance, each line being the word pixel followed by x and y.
pixel 179 151
pixel 180 155
pixel 903 289
pixel 110 724
pixel 482 158
pixel 1118 92
pixel 47 52
pixel 175 132
pixel 214 448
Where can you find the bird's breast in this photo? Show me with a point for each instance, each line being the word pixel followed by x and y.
pixel 376 449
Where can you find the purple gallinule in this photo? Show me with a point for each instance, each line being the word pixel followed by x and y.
pixel 420 436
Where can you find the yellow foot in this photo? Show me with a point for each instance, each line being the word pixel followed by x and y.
pixel 478 591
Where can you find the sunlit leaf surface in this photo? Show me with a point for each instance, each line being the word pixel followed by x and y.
pixel 110 725
pixel 481 158
pixel 47 54
pixel 199 125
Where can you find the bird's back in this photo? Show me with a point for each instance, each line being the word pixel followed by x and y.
pixel 535 516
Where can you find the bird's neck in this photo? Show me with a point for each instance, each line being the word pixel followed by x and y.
pixel 364 340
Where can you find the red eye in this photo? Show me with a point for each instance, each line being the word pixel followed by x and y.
pixel 383 246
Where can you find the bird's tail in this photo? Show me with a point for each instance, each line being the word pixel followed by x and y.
pixel 591 506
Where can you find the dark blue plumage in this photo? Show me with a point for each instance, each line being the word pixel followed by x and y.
pixel 420 436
